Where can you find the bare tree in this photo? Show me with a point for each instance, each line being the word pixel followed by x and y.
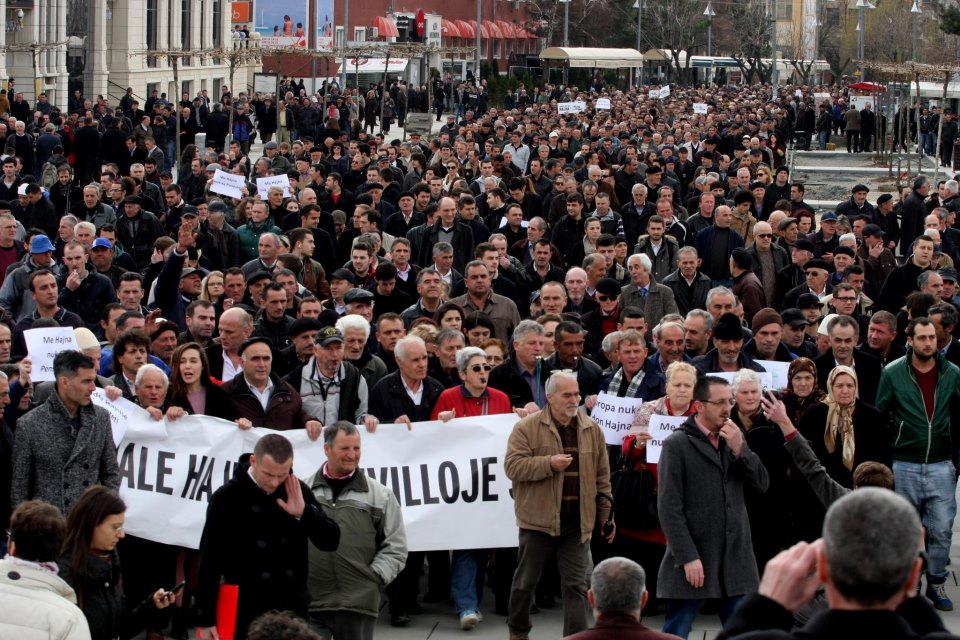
pixel 751 43
pixel 675 25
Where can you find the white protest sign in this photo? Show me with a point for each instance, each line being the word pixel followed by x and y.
pixel 820 98
pixel 615 416
pixel 777 371
pixel 43 345
pixel 700 107
pixel 766 380
pixel 577 106
pixel 119 410
pixel 665 91
pixel 448 478
pixel 227 184
pixel 603 103
pixel 654 94
pixel 264 185
pixel 660 428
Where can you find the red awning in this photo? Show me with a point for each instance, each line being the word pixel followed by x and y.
pixel 507 29
pixel 467 30
pixel 493 30
pixel 449 29
pixel 523 33
pixel 386 27
pixel 482 30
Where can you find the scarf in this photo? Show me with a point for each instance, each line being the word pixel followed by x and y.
pixel 840 419
pixel 632 388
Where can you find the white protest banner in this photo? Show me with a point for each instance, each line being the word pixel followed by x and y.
pixel 665 91
pixel 43 345
pixel 777 371
pixel 766 380
pixel 449 478
pixel 264 184
pixel 577 106
pixel 700 107
pixel 603 103
pixel 227 184
pixel 119 410
pixel 615 416
pixel 660 428
pixel 820 98
pixel 654 94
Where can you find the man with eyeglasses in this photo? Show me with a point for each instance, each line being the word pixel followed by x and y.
pixel 704 469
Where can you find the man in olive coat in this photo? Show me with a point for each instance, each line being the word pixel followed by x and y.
pixel 704 468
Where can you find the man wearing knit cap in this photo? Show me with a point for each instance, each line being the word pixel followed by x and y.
pixel 726 356
pixel 746 285
pixel 767 342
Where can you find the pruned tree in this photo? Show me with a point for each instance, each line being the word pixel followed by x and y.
pixel 675 25
pixel 751 43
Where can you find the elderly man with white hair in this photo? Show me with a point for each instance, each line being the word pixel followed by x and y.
pixel 407 395
pixel 577 299
pixel 357 348
pixel 542 467
pixel 653 299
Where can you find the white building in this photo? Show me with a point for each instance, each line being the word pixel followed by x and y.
pixel 102 46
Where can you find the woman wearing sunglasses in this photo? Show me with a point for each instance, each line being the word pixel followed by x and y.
pixel 468 566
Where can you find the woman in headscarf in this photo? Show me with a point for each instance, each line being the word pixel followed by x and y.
pixel 802 391
pixel 843 430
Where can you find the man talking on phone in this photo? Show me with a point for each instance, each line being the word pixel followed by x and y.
pixel 256 535
pixel 704 468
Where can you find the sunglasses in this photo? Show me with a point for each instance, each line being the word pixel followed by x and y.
pixel 477 368
pixel 764 235
pixel 601 298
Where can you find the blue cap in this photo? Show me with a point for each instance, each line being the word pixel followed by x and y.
pixel 102 243
pixel 41 244
pixel 829 215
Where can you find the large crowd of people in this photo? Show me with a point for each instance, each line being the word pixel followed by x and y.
pixel 514 262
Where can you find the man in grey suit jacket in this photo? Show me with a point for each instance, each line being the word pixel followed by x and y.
pixel 703 471
pixel 655 300
pixel 65 445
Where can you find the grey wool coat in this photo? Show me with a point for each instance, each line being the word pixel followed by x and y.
pixel 704 517
pixel 49 465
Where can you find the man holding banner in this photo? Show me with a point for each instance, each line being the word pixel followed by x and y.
pixel 558 463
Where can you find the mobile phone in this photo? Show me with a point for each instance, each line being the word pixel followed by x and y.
pixel 177 589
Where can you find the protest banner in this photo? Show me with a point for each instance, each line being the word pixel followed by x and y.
pixel 227 184
pixel 778 373
pixel 665 91
pixel 43 345
pixel 264 185
pixel 700 107
pixel 603 103
pixel 451 486
pixel 660 429
pixel 654 94
pixel 577 106
pixel 615 416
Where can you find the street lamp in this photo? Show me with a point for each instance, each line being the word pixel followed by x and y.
pixel 709 12
pixel 566 33
pixel 639 7
pixel 915 12
pixel 861 28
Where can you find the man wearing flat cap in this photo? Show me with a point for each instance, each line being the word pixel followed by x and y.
pixel 857 204
pixel 873 255
pixel 727 355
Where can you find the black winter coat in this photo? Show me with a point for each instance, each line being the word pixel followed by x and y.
pixel 248 540
pixel 389 400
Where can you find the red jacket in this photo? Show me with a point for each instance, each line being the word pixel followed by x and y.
pixel 491 403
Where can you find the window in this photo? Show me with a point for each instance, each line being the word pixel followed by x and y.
pixel 338 37
pixel 359 34
pixel 217 28
pixel 151 31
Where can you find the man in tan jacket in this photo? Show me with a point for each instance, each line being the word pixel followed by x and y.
pixel 558 463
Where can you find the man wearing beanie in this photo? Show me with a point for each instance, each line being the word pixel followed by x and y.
pixel 726 356
pixel 767 341
pixel 746 285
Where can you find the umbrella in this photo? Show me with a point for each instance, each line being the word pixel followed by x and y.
pixel 867 86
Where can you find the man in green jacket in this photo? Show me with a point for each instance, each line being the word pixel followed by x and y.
pixel 918 393
pixel 345 584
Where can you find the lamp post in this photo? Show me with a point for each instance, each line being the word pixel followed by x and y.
pixel 566 33
pixel 914 14
pixel 862 5
pixel 476 72
pixel 343 62
pixel 709 12
pixel 639 7
pixel 774 73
